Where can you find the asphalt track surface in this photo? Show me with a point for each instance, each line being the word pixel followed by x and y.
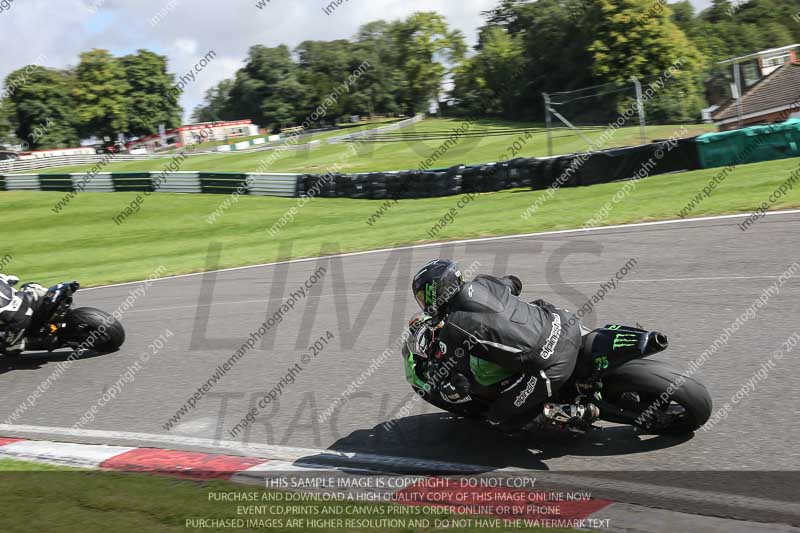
pixel 691 280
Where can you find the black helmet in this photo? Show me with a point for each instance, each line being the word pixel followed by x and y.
pixel 436 284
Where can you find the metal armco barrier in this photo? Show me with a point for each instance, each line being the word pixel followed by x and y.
pixel 99 183
pixel 22 182
pixel 177 182
pixel 286 185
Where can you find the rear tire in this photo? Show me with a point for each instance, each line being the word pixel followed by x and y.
pixel 87 323
pixel 649 389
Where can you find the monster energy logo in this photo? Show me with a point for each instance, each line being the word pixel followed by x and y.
pixel 625 340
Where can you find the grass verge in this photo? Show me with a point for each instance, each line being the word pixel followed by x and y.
pixel 401 155
pixel 39 498
pixel 82 242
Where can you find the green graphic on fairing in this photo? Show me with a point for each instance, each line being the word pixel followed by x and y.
pixel 411 366
pixel 625 340
pixel 601 363
pixel 487 373
pixel 411 375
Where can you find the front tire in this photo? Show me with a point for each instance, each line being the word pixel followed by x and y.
pixel 656 398
pixel 94 330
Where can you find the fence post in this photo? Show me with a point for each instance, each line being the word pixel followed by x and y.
pixel 640 105
pixel 548 123
pixel 737 79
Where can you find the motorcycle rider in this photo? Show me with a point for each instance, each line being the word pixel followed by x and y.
pixel 17 309
pixel 484 318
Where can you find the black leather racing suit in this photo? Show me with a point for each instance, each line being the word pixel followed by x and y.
pixel 486 319
pixel 17 309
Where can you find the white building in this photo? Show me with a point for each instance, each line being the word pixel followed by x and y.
pixel 193 133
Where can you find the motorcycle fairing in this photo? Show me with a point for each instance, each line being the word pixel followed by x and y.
pixel 411 374
pixel 487 373
pixel 615 345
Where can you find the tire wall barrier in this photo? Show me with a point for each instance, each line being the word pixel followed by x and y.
pixel 757 143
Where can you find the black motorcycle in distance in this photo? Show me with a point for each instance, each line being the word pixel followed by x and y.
pixel 85 329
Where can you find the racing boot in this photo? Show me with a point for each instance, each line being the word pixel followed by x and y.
pixel 16 345
pixel 577 418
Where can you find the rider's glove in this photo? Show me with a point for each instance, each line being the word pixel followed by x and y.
pixel 545 305
pixel 10 280
pixel 517 283
pixel 456 388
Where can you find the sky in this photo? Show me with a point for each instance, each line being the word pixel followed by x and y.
pixel 36 31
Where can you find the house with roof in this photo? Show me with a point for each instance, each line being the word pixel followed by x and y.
pixel 754 67
pixel 773 97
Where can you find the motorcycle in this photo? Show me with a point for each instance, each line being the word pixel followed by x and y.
pixel 611 372
pixel 57 325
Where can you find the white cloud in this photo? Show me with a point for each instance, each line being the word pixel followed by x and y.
pixel 186 30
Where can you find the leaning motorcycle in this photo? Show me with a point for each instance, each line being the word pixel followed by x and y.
pixel 611 372
pixel 84 329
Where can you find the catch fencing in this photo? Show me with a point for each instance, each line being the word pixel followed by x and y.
pixel 367 133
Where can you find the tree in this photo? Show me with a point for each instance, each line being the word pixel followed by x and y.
pixel 378 89
pixel 216 104
pixel 732 29
pixel 632 39
pixel 323 66
pixel 728 29
pixel 284 105
pixel 148 98
pixel 490 82
pixel 6 128
pixel 683 14
pixel 555 36
pixel 41 109
pixel 266 90
pixel 424 43
pixel 574 44
pixel 401 67
pixel 720 10
pixel 101 92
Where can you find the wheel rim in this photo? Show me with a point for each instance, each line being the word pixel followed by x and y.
pixel 655 414
pixel 85 332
